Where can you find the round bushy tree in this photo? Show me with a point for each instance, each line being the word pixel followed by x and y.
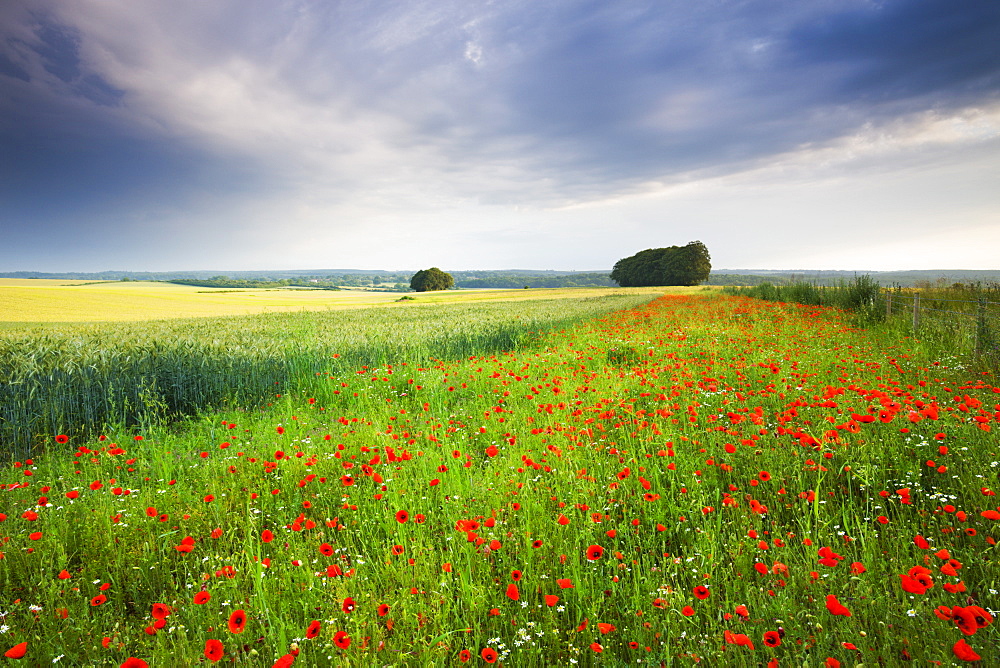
pixel 426 280
pixel 674 265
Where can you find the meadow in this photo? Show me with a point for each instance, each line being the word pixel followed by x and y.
pixel 81 378
pixel 696 480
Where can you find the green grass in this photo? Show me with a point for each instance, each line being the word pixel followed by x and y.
pixel 85 379
pixel 696 440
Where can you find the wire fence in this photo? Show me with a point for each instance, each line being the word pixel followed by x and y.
pixel 974 323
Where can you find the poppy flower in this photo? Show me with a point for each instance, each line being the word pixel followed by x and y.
pixel 594 552
pixel 284 662
pixel 489 655
pixel 515 576
pixel 402 516
pixel 17 651
pixel 565 583
pixel 701 592
pixel 348 605
pixel 63 575
pixel 551 600
pixel 965 620
pixel 383 610
pixel 397 550
pixel 464 656
pixel 605 628
pixel 237 621
pixel 202 598
pixel 963 651
pixel 512 592
pixel 313 629
pixel 342 640
pixel 160 611
pixel 772 638
pixel 100 599
pixel 687 611
pixel 133 662
pixel 266 536
pixel 835 607
pixel 62 438
pixel 214 650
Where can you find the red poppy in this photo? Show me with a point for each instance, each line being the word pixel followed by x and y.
pixel 133 662
pixel 348 605
pixel 965 619
pixel 397 550
pixel 100 599
pixel 284 662
pixel 266 536
pixel 701 592
pixel 594 552
pixel 214 650
pixel 515 576
pixel 512 592
pixel 489 655
pixel 383 610
pixel 464 656
pixel 313 629
pixel 772 638
pixel 237 621
pixel 342 640
pixel 402 516
pixel 62 438
pixel 17 651
pixel 963 651
pixel 565 583
pixel 688 611
pixel 551 600
pixel 161 611
pixel 835 607
pixel 202 598
pixel 63 575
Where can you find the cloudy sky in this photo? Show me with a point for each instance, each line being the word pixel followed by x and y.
pixel 491 134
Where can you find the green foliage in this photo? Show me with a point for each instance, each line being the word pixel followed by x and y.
pixel 674 265
pixel 427 280
pixel 82 379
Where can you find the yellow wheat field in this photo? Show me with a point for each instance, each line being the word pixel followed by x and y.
pixel 44 301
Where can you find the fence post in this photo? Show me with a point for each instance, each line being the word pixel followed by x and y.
pixel 916 311
pixel 888 304
pixel 981 331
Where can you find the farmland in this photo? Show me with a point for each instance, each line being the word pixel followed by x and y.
pixel 42 301
pixel 698 479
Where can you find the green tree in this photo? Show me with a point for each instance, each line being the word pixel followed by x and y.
pixel 426 280
pixel 674 265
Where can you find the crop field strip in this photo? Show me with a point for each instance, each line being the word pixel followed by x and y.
pixel 696 481
pixel 26 302
pixel 88 377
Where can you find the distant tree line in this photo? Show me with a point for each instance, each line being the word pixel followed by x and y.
pixel 226 282
pixel 674 265
pixel 504 280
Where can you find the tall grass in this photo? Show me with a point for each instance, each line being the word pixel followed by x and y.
pixel 957 321
pixel 685 484
pixel 82 379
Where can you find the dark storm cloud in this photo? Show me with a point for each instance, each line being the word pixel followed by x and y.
pixel 590 79
pixel 906 50
pixel 333 115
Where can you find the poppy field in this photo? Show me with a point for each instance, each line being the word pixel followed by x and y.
pixel 698 480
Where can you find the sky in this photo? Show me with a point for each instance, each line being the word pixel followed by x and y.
pixel 488 134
